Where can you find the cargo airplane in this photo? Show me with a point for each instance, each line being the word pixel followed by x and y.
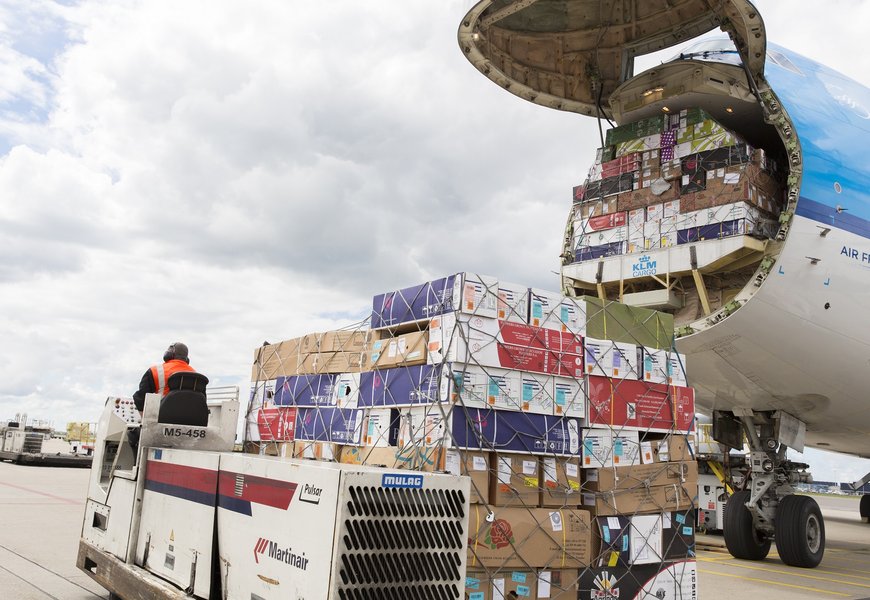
pixel 773 326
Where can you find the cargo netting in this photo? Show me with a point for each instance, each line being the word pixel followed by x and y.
pixel 572 417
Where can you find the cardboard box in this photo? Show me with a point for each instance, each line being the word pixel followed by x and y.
pixel 607 358
pixel 407 349
pixel 628 477
pixel 478 387
pixel 335 341
pixel 552 310
pixel 536 393
pixel 597 206
pixel 476 465
pixel 653 364
pixel 273 360
pixel 674 447
pixel 678 580
pixel 609 448
pixel 569 397
pixel 502 344
pixel 516 481
pixel 464 292
pixel 346 390
pixel 513 302
pixel 520 537
pixel 381 428
pixel 310 450
pixel 678 534
pixel 557 583
pixel 502 584
pixel 640 405
pixel 560 482
pixel 641 499
pixel 631 540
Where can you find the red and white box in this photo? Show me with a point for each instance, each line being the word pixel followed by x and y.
pixel 486 342
pixel 277 423
pixel 639 405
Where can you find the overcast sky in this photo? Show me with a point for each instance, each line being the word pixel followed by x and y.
pixel 228 173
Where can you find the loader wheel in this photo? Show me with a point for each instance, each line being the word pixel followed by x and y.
pixel 865 508
pixel 741 537
pixel 800 532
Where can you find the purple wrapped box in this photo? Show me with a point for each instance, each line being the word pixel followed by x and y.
pixel 414 303
pixel 305 390
pixel 336 425
pixel 540 434
pixel 471 428
pixel 401 386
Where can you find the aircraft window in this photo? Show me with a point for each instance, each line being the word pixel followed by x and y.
pixel 782 60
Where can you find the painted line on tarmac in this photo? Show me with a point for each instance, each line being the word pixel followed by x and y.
pixel 794 573
pixel 788 585
pixel 40 493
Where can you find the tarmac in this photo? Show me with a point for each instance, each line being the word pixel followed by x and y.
pixel 42 509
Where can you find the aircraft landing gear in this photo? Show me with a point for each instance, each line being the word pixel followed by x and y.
pixel 865 508
pixel 742 539
pixel 767 509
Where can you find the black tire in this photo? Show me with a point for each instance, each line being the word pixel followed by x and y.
pixel 864 508
pixel 741 537
pixel 800 532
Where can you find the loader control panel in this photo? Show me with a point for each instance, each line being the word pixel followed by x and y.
pixel 126 410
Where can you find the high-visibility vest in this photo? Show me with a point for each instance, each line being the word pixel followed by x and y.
pixel 162 373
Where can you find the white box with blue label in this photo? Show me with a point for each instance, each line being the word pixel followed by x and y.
pixel 609 448
pixel 569 397
pixel 653 364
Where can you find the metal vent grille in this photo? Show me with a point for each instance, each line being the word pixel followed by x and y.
pixel 33 443
pixel 399 544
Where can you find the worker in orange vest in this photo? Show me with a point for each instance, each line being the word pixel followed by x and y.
pixel 175 360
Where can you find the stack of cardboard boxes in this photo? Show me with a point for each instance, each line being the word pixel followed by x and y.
pixel 673 179
pixel 564 412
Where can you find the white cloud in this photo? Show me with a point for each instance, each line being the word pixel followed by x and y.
pixel 224 175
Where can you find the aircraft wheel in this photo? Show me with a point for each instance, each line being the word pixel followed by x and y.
pixel 865 508
pixel 800 532
pixel 741 537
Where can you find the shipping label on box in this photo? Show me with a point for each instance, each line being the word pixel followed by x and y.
pixel 326 424
pixel 609 448
pixel 569 396
pixel 381 427
pixel 676 369
pixel 305 390
pixel 622 359
pixel 517 481
pixel 638 404
pixel 552 310
pixel 513 302
pixel 560 479
pixel 400 386
pixel 478 387
pixel 407 349
pixel 476 466
pixel 521 537
pixel 346 390
pixel 536 393
pixel 653 364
